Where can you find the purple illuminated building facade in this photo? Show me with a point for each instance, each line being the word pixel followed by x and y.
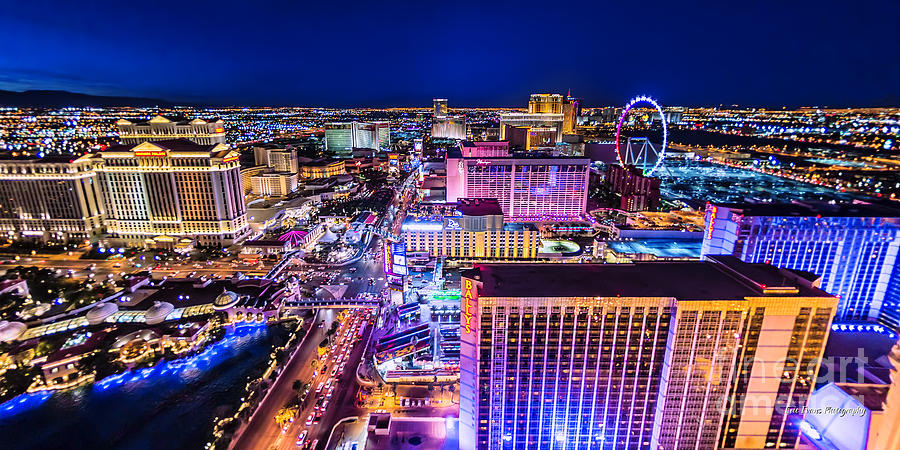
pixel 484 149
pixel 528 188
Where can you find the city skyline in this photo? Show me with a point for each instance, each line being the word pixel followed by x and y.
pixel 565 277
pixel 402 54
pixel 506 225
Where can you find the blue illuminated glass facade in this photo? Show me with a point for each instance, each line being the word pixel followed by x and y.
pixel 590 371
pixel 855 256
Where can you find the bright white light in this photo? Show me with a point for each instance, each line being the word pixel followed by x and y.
pixel 809 431
pixel 422 226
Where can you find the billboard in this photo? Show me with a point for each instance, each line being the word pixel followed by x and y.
pixel 401 351
pixel 398 252
pixel 395 259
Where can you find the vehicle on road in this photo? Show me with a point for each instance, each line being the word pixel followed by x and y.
pixel 302 437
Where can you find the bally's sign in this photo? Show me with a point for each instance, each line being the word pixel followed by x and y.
pixel 470 302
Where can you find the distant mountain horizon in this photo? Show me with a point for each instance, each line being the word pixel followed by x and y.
pixel 47 98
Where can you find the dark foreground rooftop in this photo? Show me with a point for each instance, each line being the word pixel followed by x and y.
pixel 720 278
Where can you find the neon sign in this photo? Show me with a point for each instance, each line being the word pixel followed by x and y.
pixel 155 153
pixel 452 224
pixel 388 258
pixel 471 301
pixel 712 221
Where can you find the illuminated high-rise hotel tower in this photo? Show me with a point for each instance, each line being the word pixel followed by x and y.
pixel 529 189
pixel 853 247
pixel 342 137
pixel 50 199
pixel 670 355
pixel 157 192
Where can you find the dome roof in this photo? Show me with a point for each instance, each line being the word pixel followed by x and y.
pixel 10 331
pixel 99 313
pixel 324 294
pixel 328 237
pixel 225 300
pixel 158 312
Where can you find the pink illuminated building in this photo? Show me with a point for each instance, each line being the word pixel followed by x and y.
pixel 484 149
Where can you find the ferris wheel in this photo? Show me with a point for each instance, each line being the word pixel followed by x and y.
pixel 640 151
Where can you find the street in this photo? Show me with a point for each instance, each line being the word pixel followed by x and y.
pixel 264 433
pixel 262 428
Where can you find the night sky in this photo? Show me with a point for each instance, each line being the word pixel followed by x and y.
pixel 403 53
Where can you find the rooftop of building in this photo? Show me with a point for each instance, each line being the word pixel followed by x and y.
pixel 471 144
pixel 720 278
pixel 527 155
pixel 184 292
pixel 274 175
pixel 90 344
pixel 272 206
pixel 434 183
pixel 171 145
pixel 662 248
pixel 318 162
pixel 47 159
pixel 815 209
pixel 479 207
pixel 178 119
pixel 871 345
pixel 519 226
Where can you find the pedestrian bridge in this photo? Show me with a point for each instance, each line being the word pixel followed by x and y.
pixel 282 264
pixel 386 234
pixel 338 303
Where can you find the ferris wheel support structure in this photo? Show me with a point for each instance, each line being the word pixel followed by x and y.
pixel 640 157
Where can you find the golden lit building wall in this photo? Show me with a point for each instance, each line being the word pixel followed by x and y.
pixel 52 199
pixel 172 189
pixel 545 104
